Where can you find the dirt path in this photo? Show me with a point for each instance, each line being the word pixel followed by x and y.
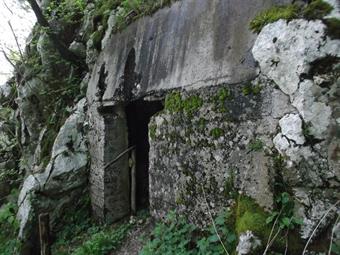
pixel 133 243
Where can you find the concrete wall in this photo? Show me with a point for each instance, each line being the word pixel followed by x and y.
pixel 193 44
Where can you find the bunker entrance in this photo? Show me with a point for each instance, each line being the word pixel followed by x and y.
pixel 138 115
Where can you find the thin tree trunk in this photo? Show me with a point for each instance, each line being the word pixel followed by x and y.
pixel 61 48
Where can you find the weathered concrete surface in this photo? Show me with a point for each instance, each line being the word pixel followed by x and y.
pixel 194 43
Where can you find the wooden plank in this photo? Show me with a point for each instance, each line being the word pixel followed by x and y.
pixel 44 234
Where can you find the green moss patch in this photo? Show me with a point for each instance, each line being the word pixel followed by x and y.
pixel 175 103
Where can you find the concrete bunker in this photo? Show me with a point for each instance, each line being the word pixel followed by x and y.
pixel 179 47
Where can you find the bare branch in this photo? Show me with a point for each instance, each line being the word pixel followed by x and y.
pixel 9 9
pixel 16 41
pixel 8 59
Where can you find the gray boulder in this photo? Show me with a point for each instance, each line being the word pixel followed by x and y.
pixel 66 173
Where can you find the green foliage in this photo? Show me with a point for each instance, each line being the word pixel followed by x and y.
pixel 80 235
pixel 250 216
pixel 152 131
pixel 220 99
pixel 256 145
pixel 285 217
pixel 174 103
pixel 176 236
pixel 104 241
pixel 333 27
pixel 9 226
pixel 317 9
pixel 192 104
pixel 131 10
pixel 217 132
pixel 127 10
pixel 250 89
pixel 335 248
pixel 273 14
pixel 69 11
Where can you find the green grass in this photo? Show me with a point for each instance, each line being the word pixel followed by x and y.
pixel 9 226
pixel 273 14
pixel 316 9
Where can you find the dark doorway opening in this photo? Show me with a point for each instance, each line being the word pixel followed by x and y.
pixel 138 115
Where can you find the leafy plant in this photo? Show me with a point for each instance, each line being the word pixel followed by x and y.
pixel 216 132
pixel 104 241
pixel 256 145
pixel 285 217
pixel 176 236
pixel 9 226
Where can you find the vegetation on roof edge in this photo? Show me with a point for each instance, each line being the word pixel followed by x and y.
pixel 316 9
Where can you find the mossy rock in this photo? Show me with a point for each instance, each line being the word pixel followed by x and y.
pixel 250 216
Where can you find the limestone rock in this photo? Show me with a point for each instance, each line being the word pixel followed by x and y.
pixel 65 173
pixel 248 242
pixel 316 114
pixel 291 127
pixel 109 31
pixel 285 50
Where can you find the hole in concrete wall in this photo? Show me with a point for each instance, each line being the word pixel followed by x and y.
pixel 138 117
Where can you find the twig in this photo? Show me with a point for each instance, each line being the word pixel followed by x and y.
pixel 271 232
pixel 286 249
pixel 317 226
pixel 16 40
pixel 9 9
pixel 332 234
pixel 8 59
pixel 213 222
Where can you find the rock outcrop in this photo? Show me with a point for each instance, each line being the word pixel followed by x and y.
pixel 63 181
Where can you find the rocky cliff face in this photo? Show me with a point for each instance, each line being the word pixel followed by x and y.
pixel 197 123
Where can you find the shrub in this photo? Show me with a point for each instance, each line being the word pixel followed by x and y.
pixel 176 236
